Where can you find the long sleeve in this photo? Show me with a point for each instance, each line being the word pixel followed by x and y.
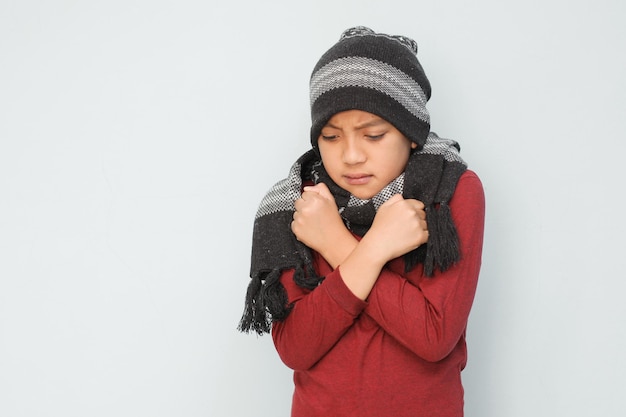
pixel 317 321
pixel 428 315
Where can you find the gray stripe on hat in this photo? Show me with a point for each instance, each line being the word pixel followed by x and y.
pixel 370 73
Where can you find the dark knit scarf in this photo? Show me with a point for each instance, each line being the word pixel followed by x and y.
pixel 430 176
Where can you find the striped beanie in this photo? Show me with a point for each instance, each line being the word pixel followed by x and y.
pixel 376 73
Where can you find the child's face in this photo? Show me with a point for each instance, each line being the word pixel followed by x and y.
pixel 362 152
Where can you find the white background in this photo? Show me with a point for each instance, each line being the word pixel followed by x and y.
pixel 138 137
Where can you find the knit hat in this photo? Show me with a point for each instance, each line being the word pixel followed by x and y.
pixel 376 73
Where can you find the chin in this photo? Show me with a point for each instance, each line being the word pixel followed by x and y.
pixel 360 192
pixel 362 195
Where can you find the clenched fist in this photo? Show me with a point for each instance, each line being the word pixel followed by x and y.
pixel 399 227
pixel 316 221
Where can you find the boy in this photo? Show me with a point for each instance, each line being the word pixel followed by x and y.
pixel 366 257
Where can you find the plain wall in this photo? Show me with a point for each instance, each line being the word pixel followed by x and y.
pixel 138 137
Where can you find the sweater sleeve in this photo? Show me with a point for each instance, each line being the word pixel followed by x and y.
pixel 317 321
pixel 428 315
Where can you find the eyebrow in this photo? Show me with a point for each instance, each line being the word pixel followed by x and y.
pixel 371 123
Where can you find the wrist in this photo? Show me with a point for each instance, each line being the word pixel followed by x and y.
pixel 374 250
pixel 360 269
pixel 339 248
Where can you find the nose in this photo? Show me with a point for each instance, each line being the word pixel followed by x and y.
pixel 353 153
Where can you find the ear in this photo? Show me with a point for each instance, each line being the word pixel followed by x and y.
pixel 413 145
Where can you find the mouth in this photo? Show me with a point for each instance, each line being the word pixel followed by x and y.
pixel 357 179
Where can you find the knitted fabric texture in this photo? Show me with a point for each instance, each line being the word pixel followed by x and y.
pixel 430 176
pixel 373 72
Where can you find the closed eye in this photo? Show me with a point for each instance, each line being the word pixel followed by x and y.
pixel 375 137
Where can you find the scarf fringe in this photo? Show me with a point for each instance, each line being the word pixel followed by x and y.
pixel 442 249
pixel 306 277
pixel 414 257
pixel 266 300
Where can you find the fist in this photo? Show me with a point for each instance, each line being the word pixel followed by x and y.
pixel 399 227
pixel 316 218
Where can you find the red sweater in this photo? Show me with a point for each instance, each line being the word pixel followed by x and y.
pixel 401 352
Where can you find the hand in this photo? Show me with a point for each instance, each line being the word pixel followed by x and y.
pixel 316 221
pixel 399 227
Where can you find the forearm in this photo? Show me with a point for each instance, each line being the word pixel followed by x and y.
pixel 361 268
pixel 319 318
pixel 428 318
pixel 338 249
pixel 398 228
pixel 429 314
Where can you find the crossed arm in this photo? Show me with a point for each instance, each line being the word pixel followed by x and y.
pixel 428 315
pixel 399 227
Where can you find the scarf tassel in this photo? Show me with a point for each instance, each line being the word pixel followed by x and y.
pixel 442 250
pixel 306 277
pixel 266 300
